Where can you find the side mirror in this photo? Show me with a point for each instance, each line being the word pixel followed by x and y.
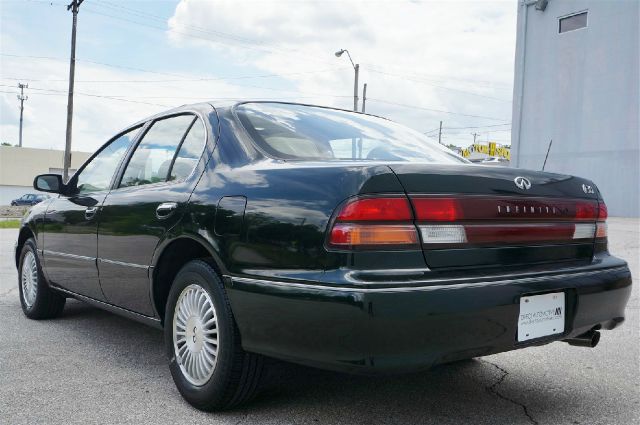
pixel 49 183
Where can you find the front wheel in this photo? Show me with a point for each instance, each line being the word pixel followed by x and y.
pixel 207 363
pixel 37 299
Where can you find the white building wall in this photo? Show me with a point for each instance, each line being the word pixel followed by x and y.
pixel 581 89
pixel 19 166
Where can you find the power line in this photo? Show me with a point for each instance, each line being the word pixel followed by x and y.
pixel 94 62
pixel 240 77
pixel 164 19
pixel 478 126
pixel 262 47
pixel 247 42
pixel 404 77
pixel 235 37
pixel 434 77
pixel 237 43
pixel 471 126
pixel 403 105
pixel 127 98
pixel 64 93
pixel 157 72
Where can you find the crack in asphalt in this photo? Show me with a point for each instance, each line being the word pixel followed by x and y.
pixel 493 389
pixel 4 294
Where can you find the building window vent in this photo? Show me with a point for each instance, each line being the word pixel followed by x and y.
pixel 572 22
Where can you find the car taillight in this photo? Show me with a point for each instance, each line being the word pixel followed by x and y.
pixel 376 209
pixel 440 221
pixel 496 208
pixel 352 235
pixel 498 220
pixel 375 223
pixel 601 225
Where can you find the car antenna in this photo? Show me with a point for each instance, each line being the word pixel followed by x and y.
pixel 547 156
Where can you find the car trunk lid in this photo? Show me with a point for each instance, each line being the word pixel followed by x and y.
pixel 473 216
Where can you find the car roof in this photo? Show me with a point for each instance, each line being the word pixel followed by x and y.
pixel 230 104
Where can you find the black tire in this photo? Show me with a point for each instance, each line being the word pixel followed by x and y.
pixel 236 373
pixel 47 303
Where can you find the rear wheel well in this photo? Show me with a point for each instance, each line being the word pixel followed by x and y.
pixel 173 258
pixel 25 234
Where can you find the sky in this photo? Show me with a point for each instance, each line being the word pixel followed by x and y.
pixel 423 62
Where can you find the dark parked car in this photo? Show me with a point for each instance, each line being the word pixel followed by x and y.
pixel 319 236
pixel 29 199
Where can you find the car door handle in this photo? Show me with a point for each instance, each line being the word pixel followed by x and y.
pixel 165 209
pixel 90 212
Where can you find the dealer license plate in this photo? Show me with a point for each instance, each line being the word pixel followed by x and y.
pixel 541 315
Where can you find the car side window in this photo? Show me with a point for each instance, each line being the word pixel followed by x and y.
pixel 151 161
pixel 98 173
pixel 189 152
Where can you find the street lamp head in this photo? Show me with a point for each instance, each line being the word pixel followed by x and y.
pixel 339 53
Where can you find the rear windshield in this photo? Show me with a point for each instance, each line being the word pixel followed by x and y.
pixel 287 131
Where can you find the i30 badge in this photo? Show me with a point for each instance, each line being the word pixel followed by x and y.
pixel 522 183
pixel 587 188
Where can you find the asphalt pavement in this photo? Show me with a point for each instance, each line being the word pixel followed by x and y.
pixel 90 366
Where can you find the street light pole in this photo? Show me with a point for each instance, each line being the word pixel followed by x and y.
pixel 356 68
pixel 75 4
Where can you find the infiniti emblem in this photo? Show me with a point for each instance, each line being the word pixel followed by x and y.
pixel 522 182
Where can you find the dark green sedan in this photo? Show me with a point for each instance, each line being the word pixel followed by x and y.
pixel 319 236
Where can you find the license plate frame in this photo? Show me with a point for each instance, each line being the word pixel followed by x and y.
pixel 541 316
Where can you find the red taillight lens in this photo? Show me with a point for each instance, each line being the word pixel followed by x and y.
pixel 586 211
pixel 376 209
pixel 502 208
pixel 602 211
pixel 382 222
pixel 601 226
pixel 500 220
pixel 437 209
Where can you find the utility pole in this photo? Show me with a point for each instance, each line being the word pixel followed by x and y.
pixel 355 88
pixel 474 137
pixel 440 134
pixel 73 6
pixel 21 98
pixel 364 97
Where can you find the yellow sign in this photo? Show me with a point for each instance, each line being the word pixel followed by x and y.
pixel 491 149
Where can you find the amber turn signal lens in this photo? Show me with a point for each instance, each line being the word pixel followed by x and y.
pixel 354 235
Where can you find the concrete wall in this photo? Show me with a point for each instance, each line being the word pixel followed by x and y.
pixel 581 89
pixel 19 166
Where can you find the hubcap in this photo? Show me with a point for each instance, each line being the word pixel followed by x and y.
pixel 29 278
pixel 195 334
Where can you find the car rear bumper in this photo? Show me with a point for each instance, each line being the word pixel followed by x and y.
pixel 406 328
